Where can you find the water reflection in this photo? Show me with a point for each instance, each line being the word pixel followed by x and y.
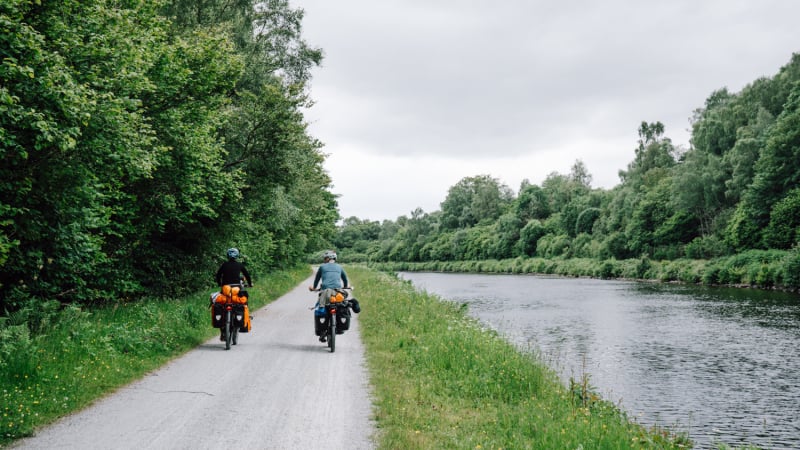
pixel 722 364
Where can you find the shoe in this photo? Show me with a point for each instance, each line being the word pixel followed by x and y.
pixel 323 338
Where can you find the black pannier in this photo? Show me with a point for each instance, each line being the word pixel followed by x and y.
pixel 218 315
pixel 342 319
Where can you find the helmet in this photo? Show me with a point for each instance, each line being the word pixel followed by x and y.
pixel 329 255
pixel 233 253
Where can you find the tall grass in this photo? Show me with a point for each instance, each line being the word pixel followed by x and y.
pixel 54 361
pixel 442 381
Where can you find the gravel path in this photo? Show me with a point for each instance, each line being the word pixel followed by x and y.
pixel 277 389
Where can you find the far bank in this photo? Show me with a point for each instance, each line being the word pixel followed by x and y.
pixel 762 269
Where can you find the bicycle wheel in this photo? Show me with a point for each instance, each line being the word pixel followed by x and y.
pixel 332 334
pixel 228 330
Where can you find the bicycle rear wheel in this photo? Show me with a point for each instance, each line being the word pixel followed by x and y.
pixel 228 330
pixel 332 334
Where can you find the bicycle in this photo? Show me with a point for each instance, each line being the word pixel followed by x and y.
pixel 230 313
pixel 332 317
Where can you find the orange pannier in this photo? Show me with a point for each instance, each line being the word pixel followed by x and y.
pixel 247 325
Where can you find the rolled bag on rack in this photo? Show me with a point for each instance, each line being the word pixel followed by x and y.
pixel 233 294
pixel 328 296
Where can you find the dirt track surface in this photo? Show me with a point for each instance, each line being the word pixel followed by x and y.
pixel 276 389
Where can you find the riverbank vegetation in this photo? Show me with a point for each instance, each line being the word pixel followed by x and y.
pixel 724 211
pixel 56 361
pixel 440 380
pixel 765 269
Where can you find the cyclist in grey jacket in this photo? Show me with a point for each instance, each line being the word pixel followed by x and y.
pixel 330 275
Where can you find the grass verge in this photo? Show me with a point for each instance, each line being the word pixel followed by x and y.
pixel 441 381
pixel 55 361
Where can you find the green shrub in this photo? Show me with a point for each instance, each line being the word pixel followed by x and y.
pixel 791 269
pixel 607 270
pixel 706 247
pixel 711 275
pixel 643 267
pixel 691 271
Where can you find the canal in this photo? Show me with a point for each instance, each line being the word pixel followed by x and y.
pixel 722 364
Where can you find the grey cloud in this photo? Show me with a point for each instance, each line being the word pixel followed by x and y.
pixel 465 78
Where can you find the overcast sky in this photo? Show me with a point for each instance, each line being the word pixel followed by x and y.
pixel 415 95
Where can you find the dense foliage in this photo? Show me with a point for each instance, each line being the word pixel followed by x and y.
pixel 141 138
pixel 736 190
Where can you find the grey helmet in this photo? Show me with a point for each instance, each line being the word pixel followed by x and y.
pixel 233 253
pixel 330 254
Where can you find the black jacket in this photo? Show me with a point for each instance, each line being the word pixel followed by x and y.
pixel 229 271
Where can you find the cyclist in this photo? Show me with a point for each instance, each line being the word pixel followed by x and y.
pixel 229 273
pixel 330 275
pixel 231 270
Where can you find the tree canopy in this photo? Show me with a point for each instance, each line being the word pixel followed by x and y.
pixel 140 139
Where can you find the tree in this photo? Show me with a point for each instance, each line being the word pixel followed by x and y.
pixel 506 235
pixel 741 159
pixel 529 237
pixel 699 188
pixel 474 199
pixel 531 203
pixel 777 172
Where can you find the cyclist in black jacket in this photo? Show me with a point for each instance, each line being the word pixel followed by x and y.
pixel 230 271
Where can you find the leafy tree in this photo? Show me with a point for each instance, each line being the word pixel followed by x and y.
pixel 714 126
pixel 653 155
pixel 565 192
pixel 699 188
pixel 584 223
pixel 529 237
pixel 532 203
pixel 506 234
pixel 615 246
pixel 474 199
pixel 741 159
